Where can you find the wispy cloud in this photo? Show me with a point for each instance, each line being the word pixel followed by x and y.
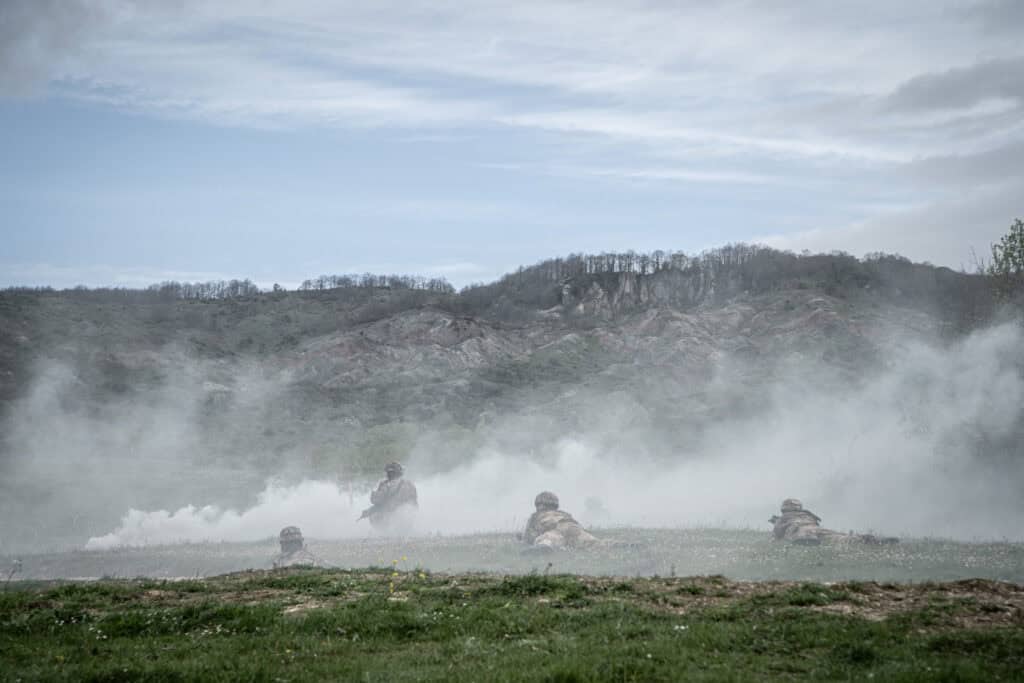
pixel 962 87
pixel 37 34
pixel 99 275
pixel 670 174
pixel 893 100
pixel 943 232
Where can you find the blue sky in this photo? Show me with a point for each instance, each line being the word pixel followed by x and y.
pixel 147 140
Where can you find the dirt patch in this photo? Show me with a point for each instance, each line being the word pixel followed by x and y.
pixel 973 603
pixel 300 608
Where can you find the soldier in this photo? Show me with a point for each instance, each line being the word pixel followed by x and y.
pixel 293 550
pixel 803 527
pixel 552 529
pixel 393 501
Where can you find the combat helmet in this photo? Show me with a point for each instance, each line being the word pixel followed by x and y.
pixel 792 505
pixel 546 500
pixel 394 469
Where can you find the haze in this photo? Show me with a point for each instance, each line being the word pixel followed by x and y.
pixel 377 180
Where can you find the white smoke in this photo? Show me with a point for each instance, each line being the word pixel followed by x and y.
pixel 896 454
pixel 881 457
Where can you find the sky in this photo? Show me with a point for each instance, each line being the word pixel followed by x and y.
pixel 148 140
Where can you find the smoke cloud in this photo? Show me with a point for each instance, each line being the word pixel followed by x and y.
pixel 922 448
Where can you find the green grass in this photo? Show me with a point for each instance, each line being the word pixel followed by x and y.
pixel 383 625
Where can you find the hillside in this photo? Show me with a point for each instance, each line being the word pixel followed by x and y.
pixel 659 356
pixel 737 299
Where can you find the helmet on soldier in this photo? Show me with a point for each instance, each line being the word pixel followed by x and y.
pixel 546 500
pixel 792 505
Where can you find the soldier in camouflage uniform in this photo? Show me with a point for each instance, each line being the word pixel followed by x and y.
pixel 393 501
pixel 552 529
pixel 803 527
pixel 293 550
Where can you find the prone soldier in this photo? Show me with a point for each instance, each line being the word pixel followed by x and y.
pixel 552 529
pixel 803 527
pixel 293 550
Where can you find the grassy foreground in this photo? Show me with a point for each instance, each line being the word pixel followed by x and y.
pixel 388 625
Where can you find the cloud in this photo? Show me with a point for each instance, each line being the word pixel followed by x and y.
pixel 942 232
pixel 40 39
pixel 656 78
pixel 1001 79
pixel 990 166
pixel 999 16
pixel 98 275
pixel 668 174
pixel 228 87
pixel 660 129
pixel 885 102
pixel 36 33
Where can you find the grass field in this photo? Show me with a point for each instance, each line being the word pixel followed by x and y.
pixel 477 608
pixel 747 555
pixel 393 625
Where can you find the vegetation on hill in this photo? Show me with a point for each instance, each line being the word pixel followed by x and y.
pixel 712 277
pixel 223 320
pixel 749 267
pixel 632 352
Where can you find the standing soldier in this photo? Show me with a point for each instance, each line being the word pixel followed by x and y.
pixel 393 501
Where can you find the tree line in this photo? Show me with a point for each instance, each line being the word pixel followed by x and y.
pixel 214 290
pixel 371 281
pixel 714 274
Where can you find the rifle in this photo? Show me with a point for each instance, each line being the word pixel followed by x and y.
pixel 366 513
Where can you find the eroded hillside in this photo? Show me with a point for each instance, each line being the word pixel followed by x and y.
pixel 123 392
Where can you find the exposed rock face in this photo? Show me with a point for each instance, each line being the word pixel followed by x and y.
pixel 638 338
pixel 607 295
pixel 412 345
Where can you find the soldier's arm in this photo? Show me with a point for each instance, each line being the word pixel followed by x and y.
pixel 379 494
pixel 409 494
pixel 530 533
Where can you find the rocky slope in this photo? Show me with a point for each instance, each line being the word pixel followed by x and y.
pixel 276 361
pixel 118 400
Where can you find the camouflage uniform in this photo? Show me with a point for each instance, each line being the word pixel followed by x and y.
pixel 392 497
pixel 803 527
pixel 293 550
pixel 554 529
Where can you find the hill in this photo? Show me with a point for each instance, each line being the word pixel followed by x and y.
pixel 147 394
